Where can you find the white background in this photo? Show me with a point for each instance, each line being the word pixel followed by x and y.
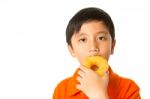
pixel 33 53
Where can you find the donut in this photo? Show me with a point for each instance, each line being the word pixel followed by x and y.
pixel 97 63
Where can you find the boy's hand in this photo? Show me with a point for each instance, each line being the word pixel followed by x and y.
pixel 93 85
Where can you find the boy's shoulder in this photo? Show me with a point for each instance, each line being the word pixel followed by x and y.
pixel 128 84
pixel 122 87
pixel 123 82
pixel 67 86
pixel 61 89
pixel 64 82
pixel 120 80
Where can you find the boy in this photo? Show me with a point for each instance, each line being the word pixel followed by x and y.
pixel 91 32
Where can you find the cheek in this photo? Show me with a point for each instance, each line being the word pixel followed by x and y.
pixel 80 54
pixel 106 51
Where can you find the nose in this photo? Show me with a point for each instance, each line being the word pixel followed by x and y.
pixel 93 48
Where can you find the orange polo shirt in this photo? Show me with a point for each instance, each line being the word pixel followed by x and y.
pixel 118 88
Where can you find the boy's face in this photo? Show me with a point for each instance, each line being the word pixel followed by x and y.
pixel 92 39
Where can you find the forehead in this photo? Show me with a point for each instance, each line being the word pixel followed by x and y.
pixel 93 27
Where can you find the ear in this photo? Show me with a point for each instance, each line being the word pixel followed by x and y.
pixel 113 46
pixel 70 48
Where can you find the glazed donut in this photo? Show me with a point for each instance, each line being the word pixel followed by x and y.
pixel 97 63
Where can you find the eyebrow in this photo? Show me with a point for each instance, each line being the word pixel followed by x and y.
pixel 84 34
pixel 100 32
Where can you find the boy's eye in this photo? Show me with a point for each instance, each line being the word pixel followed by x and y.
pixel 101 38
pixel 82 40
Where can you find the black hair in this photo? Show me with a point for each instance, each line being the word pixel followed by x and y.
pixel 85 15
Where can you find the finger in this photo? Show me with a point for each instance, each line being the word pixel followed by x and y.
pixel 78 86
pixel 79 79
pixel 84 69
pixel 106 75
pixel 107 72
pixel 81 73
